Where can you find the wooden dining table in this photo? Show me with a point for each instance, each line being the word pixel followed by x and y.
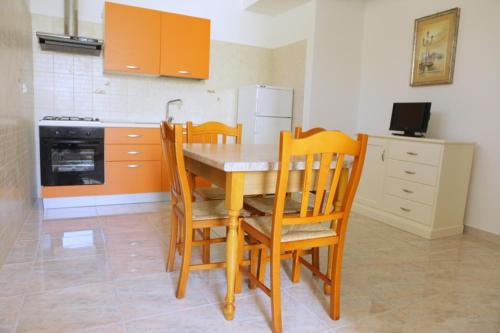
pixel 245 169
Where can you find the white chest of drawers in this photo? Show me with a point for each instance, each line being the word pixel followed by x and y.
pixel 418 185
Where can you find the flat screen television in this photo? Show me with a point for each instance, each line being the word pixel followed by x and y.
pixel 410 118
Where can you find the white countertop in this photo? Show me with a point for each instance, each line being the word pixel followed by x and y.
pixel 105 123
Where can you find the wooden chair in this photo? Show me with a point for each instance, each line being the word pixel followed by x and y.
pixel 304 230
pixel 186 214
pixel 210 132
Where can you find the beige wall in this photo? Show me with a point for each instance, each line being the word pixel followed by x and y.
pixel 467 110
pixel 288 70
pixel 16 119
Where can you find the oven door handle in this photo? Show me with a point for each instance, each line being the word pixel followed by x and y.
pixel 64 141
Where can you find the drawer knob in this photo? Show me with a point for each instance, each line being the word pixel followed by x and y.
pixel 133 67
pixel 134 136
pixel 407 210
pixel 407 191
pixel 408 172
pixel 412 153
pixel 134 152
pixel 134 166
pixel 184 72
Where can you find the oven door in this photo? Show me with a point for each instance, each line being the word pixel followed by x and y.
pixel 72 162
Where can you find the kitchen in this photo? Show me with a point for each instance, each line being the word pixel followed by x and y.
pixel 87 210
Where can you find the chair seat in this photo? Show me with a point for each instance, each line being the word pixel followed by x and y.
pixel 211 193
pixel 210 210
pixel 290 233
pixel 265 205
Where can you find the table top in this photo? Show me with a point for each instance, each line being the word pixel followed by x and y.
pixel 244 157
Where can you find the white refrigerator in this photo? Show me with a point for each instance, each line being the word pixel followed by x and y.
pixel 264 111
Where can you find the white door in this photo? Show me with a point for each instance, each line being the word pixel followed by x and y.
pixel 274 102
pixel 371 187
pixel 267 129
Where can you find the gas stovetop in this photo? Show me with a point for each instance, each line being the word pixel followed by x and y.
pixel 69 121
pixel 68 118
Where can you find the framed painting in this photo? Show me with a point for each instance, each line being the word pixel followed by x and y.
pixel 434 48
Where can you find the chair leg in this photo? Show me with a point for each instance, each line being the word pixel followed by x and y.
pixel 335 283
pixel 172 247
pixel 206 248
pixel 238 279
pixel 254 262
pixel 186 259
pixel 296 267
pixel 315 258
pixel 276 290
pixel 262 265
pixel 326 286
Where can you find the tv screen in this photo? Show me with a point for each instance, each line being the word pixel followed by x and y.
pixel 410 118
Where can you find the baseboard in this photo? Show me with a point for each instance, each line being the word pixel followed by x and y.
pixel 103 200
pixel 488 236
pixel 404 224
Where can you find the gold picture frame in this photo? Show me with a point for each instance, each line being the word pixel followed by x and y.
pixel 434 48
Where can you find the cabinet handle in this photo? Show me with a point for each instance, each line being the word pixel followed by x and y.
pixel 134 152
pixel 134 166
pixel 134 136
pixel 405 209
pixel 410 172
pixel 407 191
pixel 412 153
pixel 184 72
pixel 133 67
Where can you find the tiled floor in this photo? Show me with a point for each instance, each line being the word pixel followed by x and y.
pixel 104 273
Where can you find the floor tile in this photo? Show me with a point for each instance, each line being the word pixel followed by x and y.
pixel 69 309
pixel 15 279
pixel 9 310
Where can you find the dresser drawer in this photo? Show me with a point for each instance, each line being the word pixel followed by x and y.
pixel 410 190
pixel 420 173
pixel 409 209
pixel 426 153
pixel 127 136
pixel 132 153
pixel 133 177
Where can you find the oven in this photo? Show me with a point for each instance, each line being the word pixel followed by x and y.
pixel 71 155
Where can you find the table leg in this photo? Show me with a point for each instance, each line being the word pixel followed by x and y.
pixel 339 198
pixel 234 202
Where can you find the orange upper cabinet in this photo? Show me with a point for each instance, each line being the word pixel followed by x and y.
pixel 132 39
pixel 185 46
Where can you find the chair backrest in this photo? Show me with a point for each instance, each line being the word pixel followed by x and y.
pixel 211 131
pixel 317 153
pixel 300 134
pixel 172 148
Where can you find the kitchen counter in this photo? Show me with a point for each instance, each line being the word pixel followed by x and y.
pixel 105 123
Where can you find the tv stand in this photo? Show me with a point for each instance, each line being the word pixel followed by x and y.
pixel 409 134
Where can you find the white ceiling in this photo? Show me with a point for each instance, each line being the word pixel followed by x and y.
pixel 271 7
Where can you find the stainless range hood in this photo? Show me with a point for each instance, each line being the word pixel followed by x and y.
pixel 70 41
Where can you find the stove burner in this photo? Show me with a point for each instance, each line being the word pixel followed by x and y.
pixel 68 118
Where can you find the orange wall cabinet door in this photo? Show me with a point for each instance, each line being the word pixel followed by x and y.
pixel 185 46
pixel 132 39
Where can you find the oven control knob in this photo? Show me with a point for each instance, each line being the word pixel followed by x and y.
pixel 89 133
pixel 57 132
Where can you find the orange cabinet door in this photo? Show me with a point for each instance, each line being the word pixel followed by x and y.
pixel 133 177
pixel 132 153
pixel 185 46
pixel 132 39
pixel 132 136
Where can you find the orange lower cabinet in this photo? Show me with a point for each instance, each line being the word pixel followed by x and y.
pixel 133 177
pixel 132 153
pixel 132 136
pixel 72 191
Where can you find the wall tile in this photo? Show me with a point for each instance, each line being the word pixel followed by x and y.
pixel 63 64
